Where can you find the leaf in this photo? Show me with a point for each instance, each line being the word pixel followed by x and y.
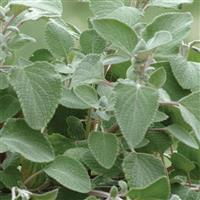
pixel 58 38
pixel 70 173
pixel 158 142
pixel 49 8
pixel 38 87
pixel 91 42
pixel 190 153
pixel 181 134
pixel 128 15
pixel 41 55
pixel 75 128
pixel 89 70
pixel 101 8
pixel 60 143
pixel 133 112
pixel 191 102
pixel 89 160
pixel 9 106
pixel 71 195
pixel 88 95
pixel 3 81
pixel 158 77
pixel 160 38
pixel 160 116
pixel 185 193
pixel 10 177
pixel 191 120
pixel 178 24
pixel 186 73
pixel 158 190
pixel 104 148
pixel 70 100
pixel 182 163
pixel 116 32
pixel 3 147
pixel 168 3
pixel 19 41
pixel 142 169
pixel 52 195
pixel 171 85
pixel 29 143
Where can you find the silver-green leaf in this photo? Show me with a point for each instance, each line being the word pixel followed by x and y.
pixel 38 87
pixel 70 173
pixel 31 144
pixel 135 109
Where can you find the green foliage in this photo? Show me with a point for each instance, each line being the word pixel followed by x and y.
pixel 111 112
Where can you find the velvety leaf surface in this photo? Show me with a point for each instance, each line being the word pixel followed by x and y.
pixel 91 42
pixel 186 73
pixel 87 94
pixel 101 8
pixel 142 169
pixel 133 112
pixel 168 3
pixel 159 190
pixel 9 106
pixel 70 173
pixel 58 38
pixel 118 33
pixel 104 148
pixel 47 7
pixel 183 135
pixel 89 70
pixel 31 144
pixel 70 100
pixel 38 87
pixel 52 195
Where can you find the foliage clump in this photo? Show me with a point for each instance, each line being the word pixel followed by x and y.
pixel 112 112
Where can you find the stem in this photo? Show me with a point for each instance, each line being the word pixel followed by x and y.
pixel 169 103
pixel 89 122
pixel 30 178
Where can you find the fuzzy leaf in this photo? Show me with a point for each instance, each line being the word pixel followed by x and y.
pixel 9 106
pixel 91 42
pixel 168 3
pixel 159 190
pixel 178 24
pixel 101 8
pixel 45 196
pixel 49 8
pixel 181 134
pixel 3 81
pixel 182 163
pixel 58 38
pixel 142 169
pixel 29 143
pixel 190 111
pixel 158 77
pixel 70 173
pixel 38 87
pixel 133 112
pixel 186 73
pixel 89 70
pixel 116 32
pixel 88 95
pixel 70 100
pixel 128 15
pixel 104 148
